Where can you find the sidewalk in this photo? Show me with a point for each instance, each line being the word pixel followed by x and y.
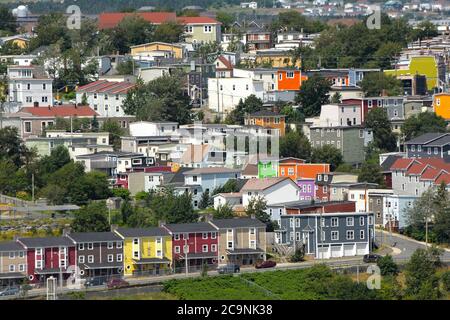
pixel 410 239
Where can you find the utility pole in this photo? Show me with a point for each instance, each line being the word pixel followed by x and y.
pixel 32 187
pixel 186 247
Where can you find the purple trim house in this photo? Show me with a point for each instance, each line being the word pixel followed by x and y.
pixel 307 189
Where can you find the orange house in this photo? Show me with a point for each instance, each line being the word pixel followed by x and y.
pixel 290 79
pixel 295 169
pixel 441 105
pixel 267 119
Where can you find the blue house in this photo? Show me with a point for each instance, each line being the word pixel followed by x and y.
pixel 201 180
pixel 329 235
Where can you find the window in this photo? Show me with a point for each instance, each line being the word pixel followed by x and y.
pixel 177 236
pixel 214 248
pixel 189 29
pixel 334 222
pixel 159 240
pixel 429 151
pixel 110 257
pixel 21 268
pixel 350 222
pixel 29 99
pixel 110 245
pixel 334 235
pixel 159 252
pixel 117 108
pixel 81 246
pixel 81 259
pixel 205 235
pixel 361 234
pixel 207 29
pixel 21 254
pixel 12 255
pixel 419 148
pixel 290 171
pixel 12 268
pixel 106 97
pixel 119 257
pixel 281 76
pixel 350 235
pixel 194 178
pixel 91 259
pixel 177 249
pixel 230 245
pixel 234 87
pixel 44 99
pixel 438 101
pixel 185 236
pixel 290 75
pixel 361 221
pixel 436 150
pixel 413 148
pixel 44 86
pixel 27 126
pixel 119 244
pixel 90 246
pixel 213 235
pixel 28 86
pixel 205 248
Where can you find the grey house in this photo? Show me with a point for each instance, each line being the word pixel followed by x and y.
pixel 351 141
pixel 429 145
pixel 98 253
pixel 329 235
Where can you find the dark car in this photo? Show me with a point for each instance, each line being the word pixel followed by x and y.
pixel 117 283
pixel 229 268
pixel 265 264
pixel 371 258
pixel 96 281
pixel 10 291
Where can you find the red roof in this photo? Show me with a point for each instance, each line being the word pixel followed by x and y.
pixel 226 62
pixel 104 86
pixel 109 20
pixel 416 168
pixel 197 20
pixel 443 177
pixel 61 111
pixel 402 164
pixel 434 169
pixel 430 173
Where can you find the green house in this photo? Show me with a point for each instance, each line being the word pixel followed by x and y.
pixel 267 169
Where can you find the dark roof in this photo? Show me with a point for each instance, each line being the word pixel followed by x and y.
pixel 199 255
pixel 388 162
pixel 266 113
pixel 442 141
pixel 106 265
pixel 426 138
pixel 190 227
pixel 316 204
pixel 245 251
pixel 178 177
pixel 12 275
pixel 142 232
pixel 94 236
pixel 11 246
pixel 151 260
pixel 238 223
pixel 46 242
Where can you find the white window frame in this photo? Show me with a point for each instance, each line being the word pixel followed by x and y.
pixel 348 233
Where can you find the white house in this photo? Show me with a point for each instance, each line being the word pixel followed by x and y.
pixel 29 86
pixel 224 93
pixel 272 190
pixel 149 129
pixel 267 76
pixel 104 96
pixel 334 115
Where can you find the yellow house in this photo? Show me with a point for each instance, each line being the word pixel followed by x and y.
pixel 173 50
pixel 423 65
pixel 21 42
pixel 276 58
pixel 441 105
pixel 147 251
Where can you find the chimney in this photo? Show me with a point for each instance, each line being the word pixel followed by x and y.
pixel 114 227
pixel 66 231
pixel 36 104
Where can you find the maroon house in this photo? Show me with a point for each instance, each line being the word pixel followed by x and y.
pixel 48 257
pixel 202 239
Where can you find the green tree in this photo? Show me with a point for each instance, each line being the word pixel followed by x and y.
pixel 422 123
pixel 257 207
pixel 223 212
pixel 293 115
pixel 225 18
pixel 162 99
pixel 387 266
pixel 250 105
pixel 91 218
pixel 170 32
pixel 7 173
pixel 142 218
pixel 371 172
pixel 298 256
pixel 295 144
pixel 122 193
pixel 313 94
pixel 425 30
pixel 132 30
pixel 96 185
pixel 336 98
pixel 377 83
pixel 205 200
pixel 327 154
pixel 115 132
pixel 383 137
pixel 12 147
pixel 125 67
pixel 126 210
pixel 7 20
pixel 441 208
pixel 420 275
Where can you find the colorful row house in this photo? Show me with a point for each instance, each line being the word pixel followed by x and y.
pixel 133 251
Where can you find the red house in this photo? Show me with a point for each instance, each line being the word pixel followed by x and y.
pixel 48 257
pixel 201 239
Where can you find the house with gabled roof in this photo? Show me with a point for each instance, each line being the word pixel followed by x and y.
pixel 272 190
pixel 429 145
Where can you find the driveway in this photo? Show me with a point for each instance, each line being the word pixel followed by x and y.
pixel 403 246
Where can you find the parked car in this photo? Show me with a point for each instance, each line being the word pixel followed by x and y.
pixel 229 268
pixel 96 281
pixel 117 283
pixel 10 291
pixel 265 264
pixel 371 258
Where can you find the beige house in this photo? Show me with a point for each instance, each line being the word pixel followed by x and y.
pixel 149 49
pixel 242 241
pixel 13 263
pixel 201 29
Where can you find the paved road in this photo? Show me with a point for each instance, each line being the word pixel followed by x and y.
pixel 406 245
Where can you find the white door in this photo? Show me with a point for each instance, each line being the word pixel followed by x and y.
pixel 336 251
pixel 362 249
pixel 349 250
pixel 323 253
